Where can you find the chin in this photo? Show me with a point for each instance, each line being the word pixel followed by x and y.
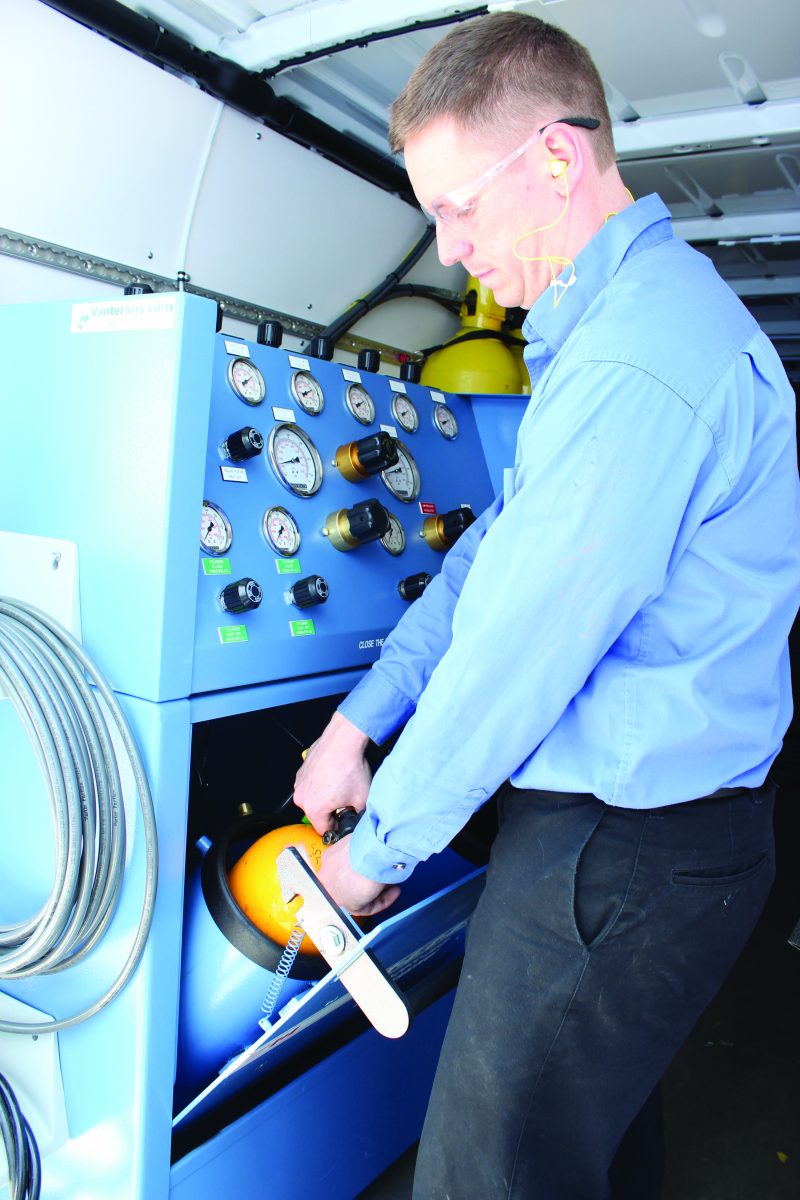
pixel 507 295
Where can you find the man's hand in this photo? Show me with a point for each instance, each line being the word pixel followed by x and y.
pixel 358 895
pixel 334 774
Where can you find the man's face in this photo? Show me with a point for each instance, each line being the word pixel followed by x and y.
pixel 478 227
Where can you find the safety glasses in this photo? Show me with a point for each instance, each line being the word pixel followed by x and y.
pixel 462 208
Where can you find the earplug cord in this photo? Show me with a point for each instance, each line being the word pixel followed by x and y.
pixel 555 282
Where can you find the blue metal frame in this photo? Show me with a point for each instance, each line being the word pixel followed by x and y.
pixel 110 440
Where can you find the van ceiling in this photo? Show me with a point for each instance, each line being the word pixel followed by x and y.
pixel 704 95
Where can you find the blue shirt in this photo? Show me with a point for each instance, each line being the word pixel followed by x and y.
pixel 616 621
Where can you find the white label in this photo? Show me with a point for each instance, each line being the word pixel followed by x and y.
pixel 389 429
pixel 283 414
pixel 397 385
pixel 350 375
pixel 130 314
pixel 371 644
pixel 299 364
pixel 233 474
pixel 437 397
pixel 238 349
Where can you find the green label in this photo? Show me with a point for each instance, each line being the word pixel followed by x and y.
pixel 302 628
pixel 232 633
pixel 288 566
pixel 216 566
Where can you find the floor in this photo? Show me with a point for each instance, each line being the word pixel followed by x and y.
pixel 732 1095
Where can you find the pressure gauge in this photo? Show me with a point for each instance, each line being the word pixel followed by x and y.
pixel 402 480
pixel 404 412
pixel 308 392
pixel 445 421
pixel 216 534
pixel 295 459
pixel 359 403
pixel 246 380
pixel 281 531
pixel 394 540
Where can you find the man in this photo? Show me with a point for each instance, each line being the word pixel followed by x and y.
pixel 610 636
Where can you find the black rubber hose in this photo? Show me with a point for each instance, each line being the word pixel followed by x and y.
pixel 349 317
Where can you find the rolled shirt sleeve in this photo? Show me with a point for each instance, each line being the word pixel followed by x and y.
pixel 604 495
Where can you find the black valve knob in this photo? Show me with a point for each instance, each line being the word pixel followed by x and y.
pixel 377 452
pixel 414 585
pixel 241 596
pixel 455 522
pixel 369 360
pixel 441 531
pixel 137 289
pixel 245 443
pixel 309 591
pixel 368 456
pixel 320 347
pixel 368 520
pixel 269 333
pixel 350 527
pixel 410 371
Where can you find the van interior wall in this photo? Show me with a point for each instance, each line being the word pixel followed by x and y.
pixel 113 157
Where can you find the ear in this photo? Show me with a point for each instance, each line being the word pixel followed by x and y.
pixel 566 157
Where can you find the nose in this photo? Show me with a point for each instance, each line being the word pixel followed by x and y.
pixel 451 245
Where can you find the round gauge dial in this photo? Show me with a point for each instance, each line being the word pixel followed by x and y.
pixel 246 380
pixel 308 392
pixel 295 459
pixel 394 540
pixel 404 412
pixel 359 403
pixel 216 534
pixel 281 531
pixel 402 480
pixel 445 421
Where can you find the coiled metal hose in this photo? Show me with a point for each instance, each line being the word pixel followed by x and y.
pixel 24 1167
pixel 44 673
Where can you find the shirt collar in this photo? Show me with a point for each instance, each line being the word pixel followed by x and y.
pixel 642 224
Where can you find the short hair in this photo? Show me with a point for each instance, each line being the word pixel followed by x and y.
pixel 503 67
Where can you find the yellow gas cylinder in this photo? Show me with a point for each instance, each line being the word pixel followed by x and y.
pixel 253 881
pixel 475 364
pixel 517 347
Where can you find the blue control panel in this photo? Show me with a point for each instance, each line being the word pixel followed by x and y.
pixel 283 514
pixel 132 441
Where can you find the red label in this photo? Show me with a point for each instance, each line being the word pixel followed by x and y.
pixel 426 508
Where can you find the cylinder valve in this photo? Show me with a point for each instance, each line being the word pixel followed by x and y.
pixel 441 531
pixel 414 585
pixel 245 443
pixel 241 596
pixel 308 592
pixel 350 527
pixel 368 456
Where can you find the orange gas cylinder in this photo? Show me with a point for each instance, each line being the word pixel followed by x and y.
pixel 253 881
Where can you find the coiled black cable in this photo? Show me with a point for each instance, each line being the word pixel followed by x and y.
pixel 44 673
pixel 24 1166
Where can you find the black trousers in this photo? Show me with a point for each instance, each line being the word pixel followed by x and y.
pixel 601 936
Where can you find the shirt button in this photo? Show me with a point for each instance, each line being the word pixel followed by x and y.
pixel 399 866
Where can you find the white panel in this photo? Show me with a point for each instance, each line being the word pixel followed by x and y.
pixel 281 226
pixel 23 282
pixel 409 324
pixel 100 150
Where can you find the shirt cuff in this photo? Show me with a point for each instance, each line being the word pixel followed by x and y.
pixel 374 859
pixel 376 707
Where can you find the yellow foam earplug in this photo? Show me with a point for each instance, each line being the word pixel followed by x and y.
pixel 557 167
